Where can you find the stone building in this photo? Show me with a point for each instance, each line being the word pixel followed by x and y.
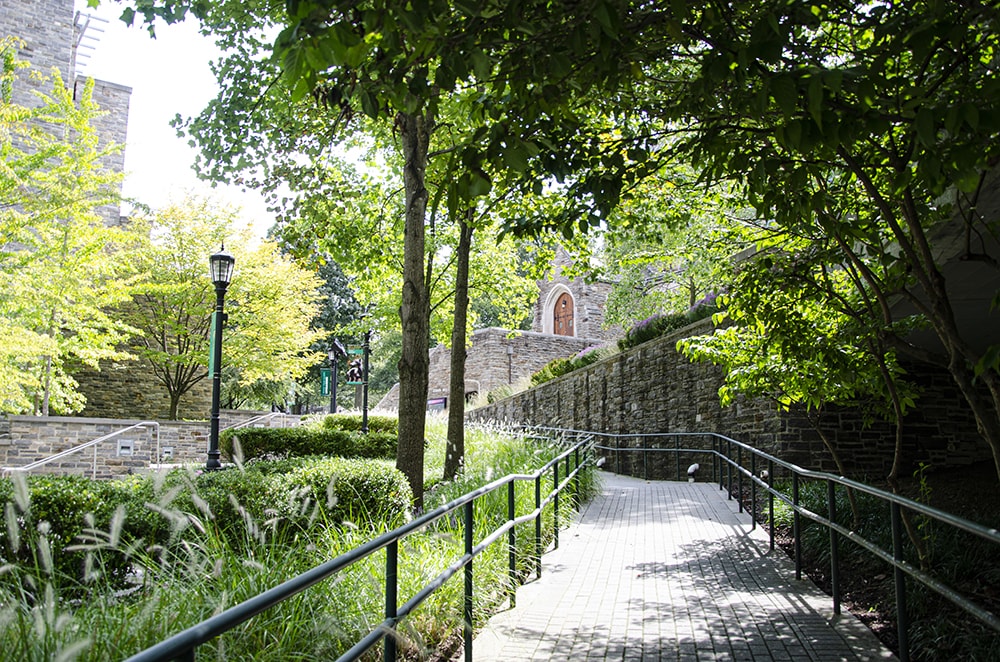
pixel 568 318
pixel 54 36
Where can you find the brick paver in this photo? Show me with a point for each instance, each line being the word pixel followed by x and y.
pixel 656 570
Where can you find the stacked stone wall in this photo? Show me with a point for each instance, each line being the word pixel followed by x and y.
pixel 32 438
pixel 654 389
pixel 129 389
pixel 495 358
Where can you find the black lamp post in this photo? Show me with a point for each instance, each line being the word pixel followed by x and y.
pixel 221 270
pixel 336 351
pixel 364 378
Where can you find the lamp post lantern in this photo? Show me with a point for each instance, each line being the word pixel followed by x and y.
pixel 221 271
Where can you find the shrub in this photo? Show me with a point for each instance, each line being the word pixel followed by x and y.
pixel 353 421
pixel 659 325
pixel 560 367
pixel 257 443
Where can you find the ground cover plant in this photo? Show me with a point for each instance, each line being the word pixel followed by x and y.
pixel 132 563
pixel 938 630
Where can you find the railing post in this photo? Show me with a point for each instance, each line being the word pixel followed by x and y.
pixel 576 480
pixel 618 455
pixel 555 505
pixel 770 500
pixel 511 548
pixel 715 461
pixel 467 626
pixel 677 457
pixel 645 453
pixel 391 584
pixel 538 526
pixel 831 497
pixel 902 615
pixel 753 491
pixel 729 470
pixel 795 525
pixel 739 477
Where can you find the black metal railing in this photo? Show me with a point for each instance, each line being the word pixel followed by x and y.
pixel 565 471
pixel 730 460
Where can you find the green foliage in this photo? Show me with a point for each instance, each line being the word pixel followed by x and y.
pixel 270 304
pixel 661 325
pixel 353 421
pixel 61 265
pixel 230 535
pixel 559 367
pixel 263 443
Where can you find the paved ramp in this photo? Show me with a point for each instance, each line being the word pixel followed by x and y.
pixel 656 570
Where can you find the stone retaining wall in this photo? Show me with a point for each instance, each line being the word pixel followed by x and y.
pixel 31 438
pixel 653 388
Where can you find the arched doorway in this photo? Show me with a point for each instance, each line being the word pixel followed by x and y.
pixel 562 316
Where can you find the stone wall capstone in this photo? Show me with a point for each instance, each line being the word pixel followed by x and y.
pixel 653 389
pixel 139 450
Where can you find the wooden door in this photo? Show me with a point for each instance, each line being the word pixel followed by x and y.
pixel 562 320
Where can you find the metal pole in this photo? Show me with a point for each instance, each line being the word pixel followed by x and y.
pixel 214 461
pixel 739 477
pixel 538 525
pixel 795 526
pixel 555 505
pixel 391 587
pixel 511 548
pixel 753 491
pixel 364 388
pixel 729 470
pixel 831 498
pixel 333 382
pixel 770 500
pixel 467 626
pixel 902 615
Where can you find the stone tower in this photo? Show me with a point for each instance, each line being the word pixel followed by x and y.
pixel 52 34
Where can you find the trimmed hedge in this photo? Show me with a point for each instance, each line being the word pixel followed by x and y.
pixel 352 422
pixel 258 443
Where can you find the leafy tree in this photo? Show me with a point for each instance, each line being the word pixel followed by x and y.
pixel 270 304
pixel 872 125
pixel 61 266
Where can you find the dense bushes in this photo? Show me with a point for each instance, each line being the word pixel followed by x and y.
pixel 288 495
pixel 560 367
pixel 353 421
pixel 659 325
pixel 256 443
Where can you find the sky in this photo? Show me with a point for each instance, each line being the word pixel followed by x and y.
pixel 168 75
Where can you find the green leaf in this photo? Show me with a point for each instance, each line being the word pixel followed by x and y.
pixel 924 124
pixel 815 98
pixel 369 104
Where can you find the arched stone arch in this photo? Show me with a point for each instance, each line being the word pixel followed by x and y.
pixel 560 306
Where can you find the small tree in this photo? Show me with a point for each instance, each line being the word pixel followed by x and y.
pixel 270 303
pixel 60 265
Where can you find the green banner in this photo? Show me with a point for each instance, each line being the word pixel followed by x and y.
pixel 324 381
pixel 211 347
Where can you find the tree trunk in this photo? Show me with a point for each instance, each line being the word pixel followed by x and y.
pixel 414 364
pixel 455 454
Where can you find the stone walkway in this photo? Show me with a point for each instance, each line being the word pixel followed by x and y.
pixel 669 571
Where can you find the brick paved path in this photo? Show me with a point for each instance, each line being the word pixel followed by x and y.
pixel 669 571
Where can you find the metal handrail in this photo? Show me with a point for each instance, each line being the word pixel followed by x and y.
pixel 256 419
pixel 93 443
pixel 183 644
pixel 725 457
